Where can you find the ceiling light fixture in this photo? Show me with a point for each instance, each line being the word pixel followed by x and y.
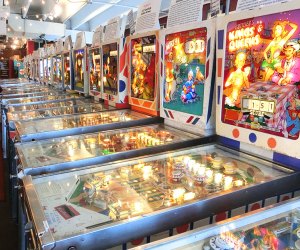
pixel 57 10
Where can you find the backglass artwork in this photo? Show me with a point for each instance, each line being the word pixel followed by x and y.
pixel 185 57
pixel 110 69
pixel 143 67
pixel 95 69
pixel 79 70
pixel 262 74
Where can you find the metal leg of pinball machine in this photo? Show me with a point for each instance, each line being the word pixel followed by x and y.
pixel 4 134
pixel 21 227
pixel 27 240
pixel 13 181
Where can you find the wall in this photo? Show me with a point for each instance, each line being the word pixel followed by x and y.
pixel 10 53
pixel 7 56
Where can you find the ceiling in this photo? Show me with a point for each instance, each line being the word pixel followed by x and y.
pixel 78 15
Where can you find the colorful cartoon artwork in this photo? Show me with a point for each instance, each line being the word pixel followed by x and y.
pixel 79 73
pixel 262 74
pixel 110 68
pixel 67 77
pixel 143 67
pixel 185 57
pixel 95 69
pixel 293 116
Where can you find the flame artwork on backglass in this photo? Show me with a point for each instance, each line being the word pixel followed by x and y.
pixel 110 68
pixel 262 74
pixel 79 71
pixel 185 57
pixel 143 67
pixel 95 69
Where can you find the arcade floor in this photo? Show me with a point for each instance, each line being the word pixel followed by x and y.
pixel 8 228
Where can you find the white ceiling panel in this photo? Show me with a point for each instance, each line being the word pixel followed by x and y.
pixel 84 15
pixel 122 7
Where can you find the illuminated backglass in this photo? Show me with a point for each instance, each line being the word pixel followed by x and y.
pixel 261 74
pixel 110 68
pixel 95 69
pixel 79 70
pixel 185 57
pixel 67 76
pixel 143 67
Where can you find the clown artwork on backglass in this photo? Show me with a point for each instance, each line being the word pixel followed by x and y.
pixel 143 67
pixel 262 74
pixel 79 74
pixel 185 56
pixel 110 68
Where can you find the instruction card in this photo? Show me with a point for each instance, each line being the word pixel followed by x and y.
pixel 254 4
pixel 98 35
pixel 112 29
pixel 184 11
pixel 147 17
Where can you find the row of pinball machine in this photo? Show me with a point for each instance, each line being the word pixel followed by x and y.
pixel 191 131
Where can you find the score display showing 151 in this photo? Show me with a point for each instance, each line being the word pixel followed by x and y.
pixel 258 107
